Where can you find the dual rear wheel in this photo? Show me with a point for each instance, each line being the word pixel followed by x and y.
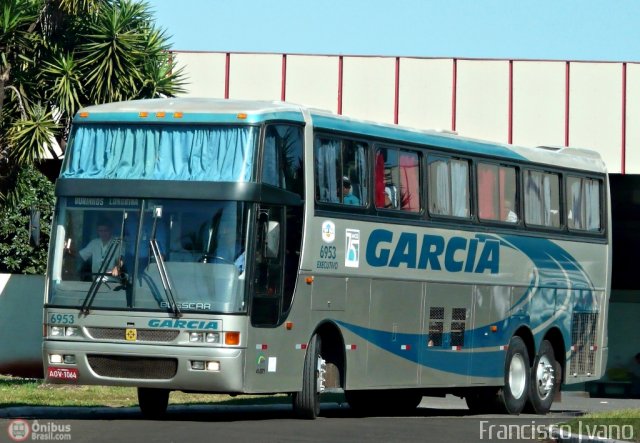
pixel 525 385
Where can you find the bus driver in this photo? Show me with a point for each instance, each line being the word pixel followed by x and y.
pixel 98 248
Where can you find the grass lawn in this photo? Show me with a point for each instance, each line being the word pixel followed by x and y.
pixel 610 424
pixel 30 392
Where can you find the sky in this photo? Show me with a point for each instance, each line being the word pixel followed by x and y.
pixel 592 30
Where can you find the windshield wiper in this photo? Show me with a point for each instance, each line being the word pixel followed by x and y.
pixel 100 278
pixel 164 276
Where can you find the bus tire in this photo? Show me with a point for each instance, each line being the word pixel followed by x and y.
pixel 512 397
pixel 153 402
pixel 306 403
pixel 544 383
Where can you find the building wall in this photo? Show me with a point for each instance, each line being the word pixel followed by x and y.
pixel 21 298
pixel 585 104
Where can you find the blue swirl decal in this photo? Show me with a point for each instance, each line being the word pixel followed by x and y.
pixel 558 281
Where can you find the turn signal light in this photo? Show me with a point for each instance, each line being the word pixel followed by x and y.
pixel 232 338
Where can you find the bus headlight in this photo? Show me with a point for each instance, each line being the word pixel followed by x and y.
pixel 64 331
pixel 196 337
pixel 55 358
pixel 197 365
pixel 72 331
pixel 212 337
pixel 56 331
pixel 213 366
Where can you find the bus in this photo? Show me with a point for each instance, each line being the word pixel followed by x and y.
pixel 223 246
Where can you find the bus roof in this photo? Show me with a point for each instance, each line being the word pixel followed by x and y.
pixel 210 110
pixel 189 110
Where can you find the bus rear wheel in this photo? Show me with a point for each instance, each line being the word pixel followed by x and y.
pixel 512 397
pixel 153 402
pixel 306 403
pixel 543 379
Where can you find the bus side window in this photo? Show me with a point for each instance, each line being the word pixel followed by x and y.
pixel 327 160
pixel 341 171
pixel 497 193
pixel 583 203
pixel 448 186
pixel 397 179
pixel 542 199
pixel 354 172
pixel 282 164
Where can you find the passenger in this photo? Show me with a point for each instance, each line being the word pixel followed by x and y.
pixel 511 215
pixel 347 196
pixel 388 200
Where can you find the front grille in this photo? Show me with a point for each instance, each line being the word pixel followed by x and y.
pixel 584 328
pixel 133 367
pixel 157 335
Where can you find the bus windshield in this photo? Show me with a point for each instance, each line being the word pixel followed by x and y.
pixel 103 254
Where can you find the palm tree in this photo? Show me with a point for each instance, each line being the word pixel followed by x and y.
pixel 59 55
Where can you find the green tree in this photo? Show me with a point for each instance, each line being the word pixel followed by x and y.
pixel 17 252
pixel 57 56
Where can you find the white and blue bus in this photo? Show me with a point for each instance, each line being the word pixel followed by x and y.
pixel 263 247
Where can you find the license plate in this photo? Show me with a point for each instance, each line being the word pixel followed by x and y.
pixel 62 373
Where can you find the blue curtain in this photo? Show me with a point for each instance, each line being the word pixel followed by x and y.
pixel 327 155
pixel 162 153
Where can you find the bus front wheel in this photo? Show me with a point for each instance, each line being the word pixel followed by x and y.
pixel 512 397
pixel 153 402
pixel 306 403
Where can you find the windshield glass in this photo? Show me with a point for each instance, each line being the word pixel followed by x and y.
pixel 104 246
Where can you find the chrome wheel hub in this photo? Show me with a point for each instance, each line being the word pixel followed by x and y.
pixel 517 376
pixel 321 370
pixel 545 377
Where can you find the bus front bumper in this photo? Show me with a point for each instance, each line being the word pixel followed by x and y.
pixel 188 368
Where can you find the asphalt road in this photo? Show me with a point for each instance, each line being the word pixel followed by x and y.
pixel 437 420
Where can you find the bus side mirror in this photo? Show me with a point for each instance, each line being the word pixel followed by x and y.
pixel 272 243
pixel 34 227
